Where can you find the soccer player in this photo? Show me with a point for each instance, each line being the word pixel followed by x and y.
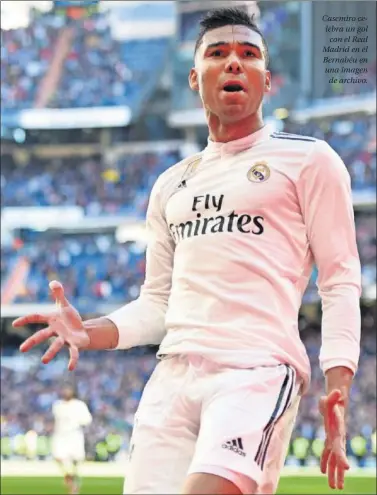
pixel 233 234
pixel 71 415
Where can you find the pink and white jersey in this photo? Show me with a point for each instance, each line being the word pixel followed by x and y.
pixel 233 235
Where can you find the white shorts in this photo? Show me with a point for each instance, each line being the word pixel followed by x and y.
pixel 68 447
pixel 198 416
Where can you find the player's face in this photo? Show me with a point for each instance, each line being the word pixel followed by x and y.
pixel 230 72
pixel 67 393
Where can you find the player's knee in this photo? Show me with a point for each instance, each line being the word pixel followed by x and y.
pixel 209 484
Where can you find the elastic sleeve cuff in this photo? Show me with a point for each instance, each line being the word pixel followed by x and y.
pixel 333 363
pixel 127 336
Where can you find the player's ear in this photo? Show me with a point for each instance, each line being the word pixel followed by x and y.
pixel 193 80
pixel 267 82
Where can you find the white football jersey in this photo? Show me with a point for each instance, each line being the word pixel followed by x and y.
pixel 70 416
pixel 233 235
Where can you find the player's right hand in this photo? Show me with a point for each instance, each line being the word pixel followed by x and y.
pixel 65 324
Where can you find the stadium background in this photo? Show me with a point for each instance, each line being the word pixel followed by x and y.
pixel 94 105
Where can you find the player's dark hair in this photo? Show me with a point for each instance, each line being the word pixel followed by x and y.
pixel 228 17
pixel 71 386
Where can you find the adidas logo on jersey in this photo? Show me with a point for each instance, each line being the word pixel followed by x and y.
pixel 235 445
pixel 182 185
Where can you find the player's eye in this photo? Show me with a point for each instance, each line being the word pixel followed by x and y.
pixel 249 53
pixel 216 53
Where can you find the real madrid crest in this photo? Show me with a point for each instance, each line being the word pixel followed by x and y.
pixel 259 172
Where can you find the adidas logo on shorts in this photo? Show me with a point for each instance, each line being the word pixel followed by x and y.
pixel 235 445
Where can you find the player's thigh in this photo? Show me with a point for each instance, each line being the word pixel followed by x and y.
pixel 208 484
pixel 77 452
pixel 163 439
pixel 59 448
pixel 159 459
pixel 238 422
pixel 278 449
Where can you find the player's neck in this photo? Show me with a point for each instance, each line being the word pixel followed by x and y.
pixel 231 131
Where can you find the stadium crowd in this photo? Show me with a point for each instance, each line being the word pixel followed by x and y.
pixel 94 73
pixel 87 183
pixel 112 386
pixel 97 69
pixel 93 268
pixel 26 54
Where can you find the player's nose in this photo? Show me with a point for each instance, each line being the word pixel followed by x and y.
pixel 233 66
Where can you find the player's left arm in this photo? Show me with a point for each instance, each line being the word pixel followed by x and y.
pixel 84 415
pixel 324 190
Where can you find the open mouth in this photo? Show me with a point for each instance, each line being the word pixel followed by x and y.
pixel 233 88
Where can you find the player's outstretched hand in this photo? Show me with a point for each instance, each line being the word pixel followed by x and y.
pixel 64 323
pixel 334 461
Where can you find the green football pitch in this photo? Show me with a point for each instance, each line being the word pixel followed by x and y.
pixel 113 486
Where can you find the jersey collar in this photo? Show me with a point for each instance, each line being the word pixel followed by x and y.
pixel 233 147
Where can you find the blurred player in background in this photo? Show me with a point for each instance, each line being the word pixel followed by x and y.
pixel 233 234
pixel 71 415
